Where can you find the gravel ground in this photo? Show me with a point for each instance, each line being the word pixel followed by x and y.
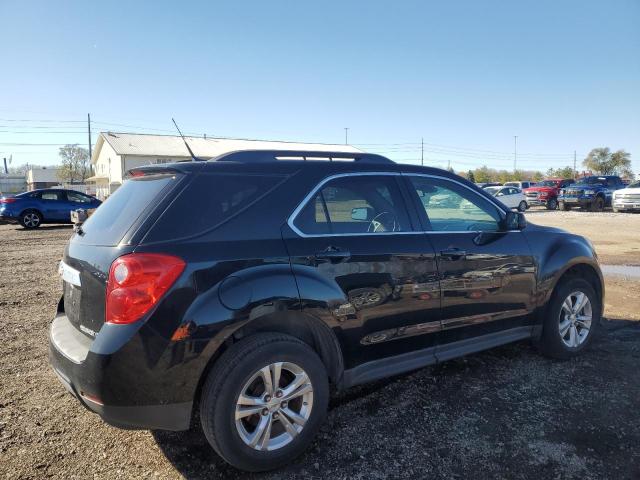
pixel 615 235
pixel 506 413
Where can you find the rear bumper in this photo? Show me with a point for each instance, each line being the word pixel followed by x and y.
pixel 8 219
pixel 88 376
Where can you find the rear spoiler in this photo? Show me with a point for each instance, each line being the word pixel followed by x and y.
pixel 152 170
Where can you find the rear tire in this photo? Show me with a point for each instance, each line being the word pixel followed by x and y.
pixel 522 207
pixel 30 219
pixel 597 205
pixel 552 204
pixel 563 333
pixel 239 382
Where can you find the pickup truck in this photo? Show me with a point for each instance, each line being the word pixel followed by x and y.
pixel 593 193
pixel 546 192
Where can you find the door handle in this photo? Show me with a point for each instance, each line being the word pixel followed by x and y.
pixel 453 253
pixel 333 254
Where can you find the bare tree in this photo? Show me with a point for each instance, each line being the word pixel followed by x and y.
pixel 75 164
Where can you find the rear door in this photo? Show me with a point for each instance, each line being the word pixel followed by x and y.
pixel 364 268
pixel 76 200
pixel 487 274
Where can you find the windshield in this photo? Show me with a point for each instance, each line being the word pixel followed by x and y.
pixel 591 181
pixel 546 183
pixel 492 190
pixel 634 185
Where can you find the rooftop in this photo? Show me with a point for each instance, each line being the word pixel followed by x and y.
pixel 206 148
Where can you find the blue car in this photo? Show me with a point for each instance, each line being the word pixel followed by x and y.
pixel 32 209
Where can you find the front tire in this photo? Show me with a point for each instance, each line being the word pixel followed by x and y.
pixel 264 401
pixel 552 204
pixel 597 205
pixel 522 206
pixel 572 319
pixel 30 219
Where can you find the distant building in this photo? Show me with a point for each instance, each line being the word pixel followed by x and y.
pixel 116 153
pixel 11 184
pixel 42 177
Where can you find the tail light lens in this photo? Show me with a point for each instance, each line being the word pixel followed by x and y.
pixel 137 282
pixel 7 200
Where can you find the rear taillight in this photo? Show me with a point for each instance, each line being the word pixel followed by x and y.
pixel 137 282
pixel 7 200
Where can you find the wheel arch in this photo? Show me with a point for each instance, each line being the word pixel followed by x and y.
pixel 306 328
pixel 31 209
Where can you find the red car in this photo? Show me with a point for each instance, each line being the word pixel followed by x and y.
pixel 546 192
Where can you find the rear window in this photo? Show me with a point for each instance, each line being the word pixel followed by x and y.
pixel 110 222
pixel 210 200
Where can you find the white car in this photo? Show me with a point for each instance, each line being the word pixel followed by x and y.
pixel 512 197
pixel 627 199
pixel 520 185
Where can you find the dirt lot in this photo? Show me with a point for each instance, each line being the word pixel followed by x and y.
pixel 615 235
pixel 504 413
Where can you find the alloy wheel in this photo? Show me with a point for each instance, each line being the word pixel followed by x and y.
pixel 274 406
pixel 575 319
pixel 31 220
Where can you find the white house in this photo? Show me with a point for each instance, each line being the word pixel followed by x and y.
pixel 116 153
pixel 42 177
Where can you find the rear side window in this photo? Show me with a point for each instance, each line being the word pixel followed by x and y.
pixel 110 222
pixel 208 201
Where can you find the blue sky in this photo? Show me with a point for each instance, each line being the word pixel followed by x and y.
pixel 465 75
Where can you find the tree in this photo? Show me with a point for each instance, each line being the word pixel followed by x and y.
pixel 602 161
pixel 483 175
pixel 538 176
pixel 75 164
pixel 471 177
pixel 565 172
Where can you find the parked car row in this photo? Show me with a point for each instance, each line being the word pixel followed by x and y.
pixel 594 193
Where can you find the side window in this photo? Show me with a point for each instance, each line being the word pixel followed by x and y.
pixel 454 208
pixel 355 204
pixel 51 196
pixel 77 197
pixel 612 182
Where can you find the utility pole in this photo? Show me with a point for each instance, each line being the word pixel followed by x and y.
pixel 575 171
pixel 422 151
pixel 515 152
pixel 89 130
pixel 346 135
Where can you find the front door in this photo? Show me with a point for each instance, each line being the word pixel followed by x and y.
pixel 487 274
pixel 54 205
pixel 363 266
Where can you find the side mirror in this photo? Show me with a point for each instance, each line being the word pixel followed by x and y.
pixel 362 214
pixel 515 221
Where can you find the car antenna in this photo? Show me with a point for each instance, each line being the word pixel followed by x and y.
pixel 193 157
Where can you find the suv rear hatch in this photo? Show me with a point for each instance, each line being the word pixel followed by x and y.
pixel 112 231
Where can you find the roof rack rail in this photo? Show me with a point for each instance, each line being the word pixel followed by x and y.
pixel 260 156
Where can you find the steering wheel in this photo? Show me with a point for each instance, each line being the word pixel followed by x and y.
pixel 377 223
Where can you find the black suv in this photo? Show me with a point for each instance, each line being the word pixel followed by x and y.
pixel 245 288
